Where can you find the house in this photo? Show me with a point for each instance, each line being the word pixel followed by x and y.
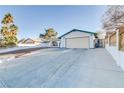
pixel 21 41
pixel 39 42
pixel 101 34
pixel 28 42
pixel 77 39
pixel 100 39
pixel 55 42
pixel 51 43
pixel 114 43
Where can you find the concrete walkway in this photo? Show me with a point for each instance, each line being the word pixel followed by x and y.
pixel 63 68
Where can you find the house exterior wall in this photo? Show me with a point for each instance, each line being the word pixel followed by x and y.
pixel 62 42
pixel 117 55
pixel 92 38
pixel 113 40
pixel 115 52
pixel 77 34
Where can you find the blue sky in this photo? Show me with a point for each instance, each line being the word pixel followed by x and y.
pixel 32 20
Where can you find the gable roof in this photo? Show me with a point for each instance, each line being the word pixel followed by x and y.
pixel 29 40
pixel 25 41
pixel 22 40
pixel 74 30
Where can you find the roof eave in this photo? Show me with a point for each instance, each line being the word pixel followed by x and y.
pixel 76 30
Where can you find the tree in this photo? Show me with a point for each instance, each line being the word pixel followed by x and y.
pixel 50 34
pixel 9 30
pixel 113 18
pixel 41 36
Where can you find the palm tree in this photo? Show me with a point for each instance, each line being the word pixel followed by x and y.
pixel 8 19
pixel 4 31
pixel 13 29
pixel 9 30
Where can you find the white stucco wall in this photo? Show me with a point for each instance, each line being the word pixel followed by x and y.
pixel 77 34
pixel 92 37
pixel 116 54
pixel 62 42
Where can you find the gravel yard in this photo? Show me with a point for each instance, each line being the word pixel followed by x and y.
pixel 60 68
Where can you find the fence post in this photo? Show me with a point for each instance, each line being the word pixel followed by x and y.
pixel 117 39
pixel 108 40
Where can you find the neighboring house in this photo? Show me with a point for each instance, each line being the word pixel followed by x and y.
pixel 101 34
pixel 46 44
pixel 39 42
pixel 27 42
pixel 100 39
pixel 41 36
pixel 21 41
pixel 52 43
pixel 77 39
pixel 55 42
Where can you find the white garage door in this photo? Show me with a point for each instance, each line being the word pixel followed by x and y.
pixel 79 42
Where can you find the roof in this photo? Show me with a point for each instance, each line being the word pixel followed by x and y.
pixel 29 40
pixel 78 31
pixel 24 41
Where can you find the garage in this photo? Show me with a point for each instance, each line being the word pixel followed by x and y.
pixel 77 39
pixel 79 42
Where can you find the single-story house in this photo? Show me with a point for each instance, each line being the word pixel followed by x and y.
pixel 77 39
pixel 28 42
pixel 114 43
pixel 51 43
pixel 21 41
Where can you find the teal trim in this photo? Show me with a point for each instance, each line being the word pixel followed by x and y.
pixel 77 30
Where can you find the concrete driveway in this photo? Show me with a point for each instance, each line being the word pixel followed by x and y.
pixel 62 68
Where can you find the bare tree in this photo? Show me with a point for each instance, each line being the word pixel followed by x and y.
pixel 113 18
